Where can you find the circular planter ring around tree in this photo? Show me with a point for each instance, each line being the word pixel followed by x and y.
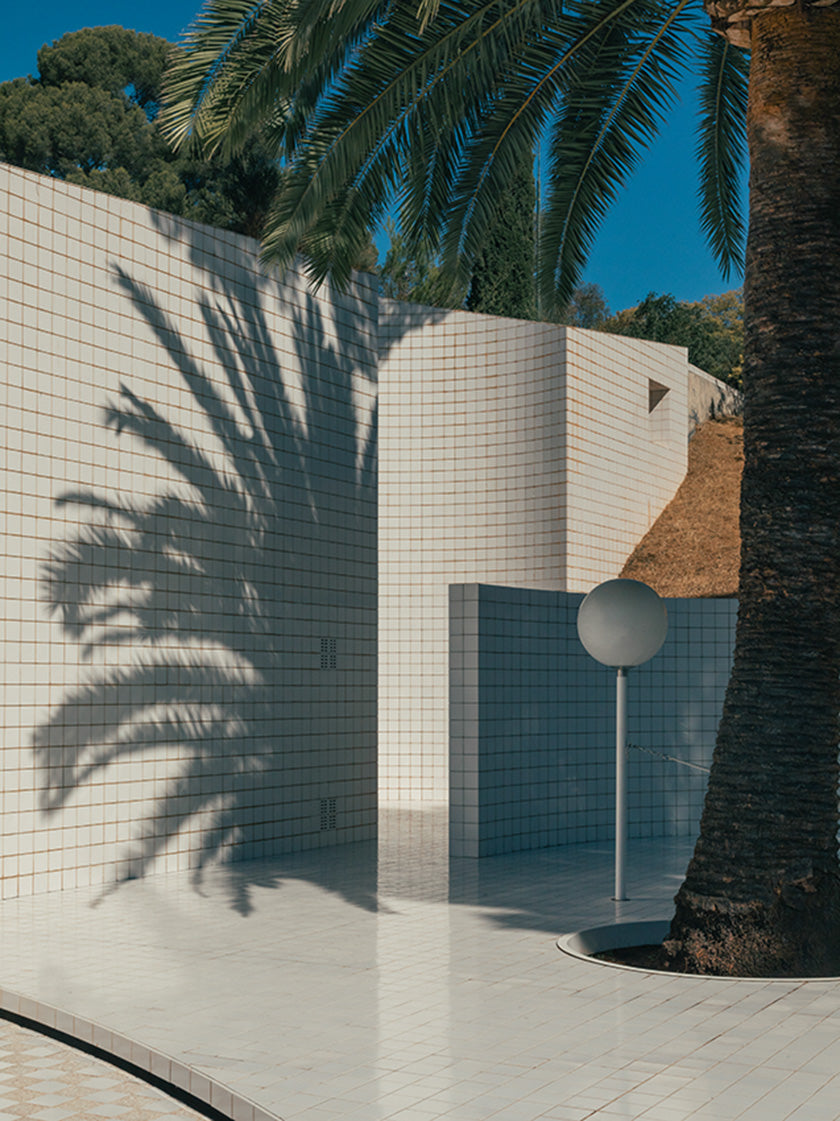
pixel 583 944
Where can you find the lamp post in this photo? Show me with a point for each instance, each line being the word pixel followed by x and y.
pixel 622 623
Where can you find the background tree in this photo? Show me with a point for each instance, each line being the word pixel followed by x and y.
pixel 90 117
pixel 587 308
pixel 725 313
pixel 113 59
pixel 712 330
pixel 415 274
pixel 502 281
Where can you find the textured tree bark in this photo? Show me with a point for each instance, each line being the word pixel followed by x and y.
pixel 762 892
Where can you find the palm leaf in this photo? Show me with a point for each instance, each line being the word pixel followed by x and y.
pixel 434 105
pixel 721 148
pixel 600 131
pixel 240 61
pixel 403 95
pixel 538 77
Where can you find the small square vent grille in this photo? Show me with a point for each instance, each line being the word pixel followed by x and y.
pixel 327 813
pixel 327 653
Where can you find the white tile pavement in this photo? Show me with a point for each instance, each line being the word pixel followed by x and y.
pixel 373 983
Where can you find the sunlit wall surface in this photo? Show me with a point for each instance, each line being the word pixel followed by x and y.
pixel 514 453
pixel 189 527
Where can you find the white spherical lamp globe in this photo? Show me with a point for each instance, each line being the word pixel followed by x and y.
pixel 622 623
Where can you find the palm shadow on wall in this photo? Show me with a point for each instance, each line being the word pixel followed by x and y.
pixel 198 582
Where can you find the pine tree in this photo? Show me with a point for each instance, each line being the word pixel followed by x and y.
pixel 503 279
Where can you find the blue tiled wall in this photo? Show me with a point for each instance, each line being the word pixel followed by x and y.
pixel 532 722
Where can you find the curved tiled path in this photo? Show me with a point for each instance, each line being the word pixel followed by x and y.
pixel 389 983
pixel 42 1079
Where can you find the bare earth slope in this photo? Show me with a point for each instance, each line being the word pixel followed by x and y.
pixel 693 548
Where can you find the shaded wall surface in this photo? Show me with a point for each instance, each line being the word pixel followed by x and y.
pixel 188 474
pixel 710 399
pixel 532 722
pixel 189 532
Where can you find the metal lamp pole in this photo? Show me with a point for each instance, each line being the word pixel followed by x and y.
pixel 620 780
pixel 622 623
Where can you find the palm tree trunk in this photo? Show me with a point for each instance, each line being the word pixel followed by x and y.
pixel 762 892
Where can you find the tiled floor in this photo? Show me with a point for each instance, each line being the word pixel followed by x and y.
pixel 44 1080
pixel 366 984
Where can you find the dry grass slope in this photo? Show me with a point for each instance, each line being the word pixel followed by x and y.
pixel 693 548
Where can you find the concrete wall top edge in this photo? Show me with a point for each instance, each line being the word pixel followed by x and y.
pixel 586 335
pixel 393 314
pixel 491 591
pixel 202 241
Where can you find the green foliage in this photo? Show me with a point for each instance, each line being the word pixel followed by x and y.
pixel 712 329
pixel 57 130
pixel 503 278
pixel 587 308
pixel 90 118
pixel 724 318
pixel 501 285
pixel 113 59
pixel 414 275
pixel 437 108
pixel 232 193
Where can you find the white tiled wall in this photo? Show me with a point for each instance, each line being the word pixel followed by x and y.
pixel 188 483
pixel 625 462
pixel 188 589
pixel 509 452
pixel 533 722
pixel 472 460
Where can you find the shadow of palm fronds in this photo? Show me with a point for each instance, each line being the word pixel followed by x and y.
pixel 194 607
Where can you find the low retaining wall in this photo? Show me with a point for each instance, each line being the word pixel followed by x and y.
pixel 532 722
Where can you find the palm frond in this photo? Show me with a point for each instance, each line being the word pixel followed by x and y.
pixel 721 148
pixel 240 62
pixel 514 121
pixel 601 129
pixel 434 104
pixel 204 55
pixel 405 97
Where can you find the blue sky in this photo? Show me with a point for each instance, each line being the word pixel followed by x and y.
pixel 650 241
